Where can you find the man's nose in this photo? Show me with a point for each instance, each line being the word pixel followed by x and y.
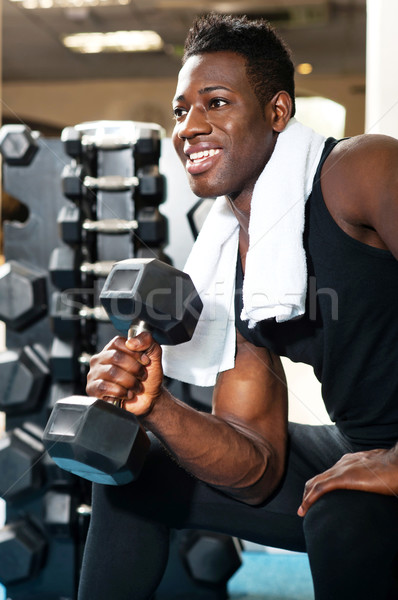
pixel 195 123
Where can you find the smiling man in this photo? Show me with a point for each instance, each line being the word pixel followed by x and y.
pixel 298 220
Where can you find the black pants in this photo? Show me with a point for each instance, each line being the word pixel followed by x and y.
pixel 351 537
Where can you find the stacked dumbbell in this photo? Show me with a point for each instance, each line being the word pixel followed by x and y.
pixel 93 199
pixel 49 290
pixel 113 190
pixel 43 524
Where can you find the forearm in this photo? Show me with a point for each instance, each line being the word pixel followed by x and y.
pixel 221 453
pixel 240 448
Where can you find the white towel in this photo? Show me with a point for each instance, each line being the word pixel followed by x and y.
pixel 275 282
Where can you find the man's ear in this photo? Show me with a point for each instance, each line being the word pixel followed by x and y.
pixel 281 106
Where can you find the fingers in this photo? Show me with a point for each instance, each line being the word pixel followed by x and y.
pixel 337 477
pixel 135 347
pixel 145 344
pixel 117 371
pixel 314 489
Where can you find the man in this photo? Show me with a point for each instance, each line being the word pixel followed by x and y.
pixel 328 490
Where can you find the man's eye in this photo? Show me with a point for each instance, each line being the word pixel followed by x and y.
pixel 178 112
pixel 218 102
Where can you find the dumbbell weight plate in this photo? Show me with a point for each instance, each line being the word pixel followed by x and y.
pixel 96 440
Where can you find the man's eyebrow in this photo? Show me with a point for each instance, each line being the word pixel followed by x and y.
pixel 214 88
pixel 206 90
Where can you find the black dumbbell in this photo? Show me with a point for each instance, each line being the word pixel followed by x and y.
pixel 72 141
pixel 96 439
pixel 18 144
pixel 21 465
pixel 150 186
pixel 23 294
pixel 23 548
pixel 67 312
pixel 210 558
pixel 151 190
pixel 23 378
pixel 146 149
pixel 150 225
pixel 67 267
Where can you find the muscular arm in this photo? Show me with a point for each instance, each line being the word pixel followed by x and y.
pixel 240 447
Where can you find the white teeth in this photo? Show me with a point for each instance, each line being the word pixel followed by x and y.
pixel 204 154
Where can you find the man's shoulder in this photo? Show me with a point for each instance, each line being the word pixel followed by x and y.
pixel 359 150
pixel 356 174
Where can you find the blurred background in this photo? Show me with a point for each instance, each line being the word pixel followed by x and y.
pixel 67 61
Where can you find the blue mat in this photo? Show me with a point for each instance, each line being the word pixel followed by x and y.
pixel 272 577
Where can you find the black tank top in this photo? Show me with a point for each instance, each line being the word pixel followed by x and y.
pixel 349 332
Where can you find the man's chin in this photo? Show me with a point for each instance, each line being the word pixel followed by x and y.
pixel 205 189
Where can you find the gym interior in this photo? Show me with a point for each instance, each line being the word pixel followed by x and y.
pixel 89 177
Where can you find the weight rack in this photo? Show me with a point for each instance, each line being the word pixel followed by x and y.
pixel 49 290
pixel 93 197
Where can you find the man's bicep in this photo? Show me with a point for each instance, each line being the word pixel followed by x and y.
pixel 253 395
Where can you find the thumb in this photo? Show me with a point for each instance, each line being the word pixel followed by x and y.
pixel 141 342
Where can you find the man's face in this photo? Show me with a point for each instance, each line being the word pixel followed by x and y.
pixel 222 135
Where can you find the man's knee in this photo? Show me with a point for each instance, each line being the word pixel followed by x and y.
pixel 338 515
pixel 352 542
pixel 352 516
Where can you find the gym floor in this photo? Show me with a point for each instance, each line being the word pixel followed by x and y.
pixel 268 574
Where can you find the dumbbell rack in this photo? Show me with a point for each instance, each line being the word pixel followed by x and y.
pixel 112 178
pixel 93 198
pixel 49 289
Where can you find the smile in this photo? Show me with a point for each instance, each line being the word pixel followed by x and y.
pixel 198 156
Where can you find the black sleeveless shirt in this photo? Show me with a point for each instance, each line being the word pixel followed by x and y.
pixel 349 332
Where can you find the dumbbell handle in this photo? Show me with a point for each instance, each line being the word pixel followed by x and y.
pixel 109 225
pixel 96 313
pixel 113 183
pixel 108 141
pixel 101 268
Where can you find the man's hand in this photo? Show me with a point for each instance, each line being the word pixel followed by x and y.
pixel 370 471
pixel 130 370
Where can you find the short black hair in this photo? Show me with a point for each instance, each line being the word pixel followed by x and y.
pixel 268 59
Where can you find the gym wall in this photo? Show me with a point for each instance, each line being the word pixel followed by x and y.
pixel 67 103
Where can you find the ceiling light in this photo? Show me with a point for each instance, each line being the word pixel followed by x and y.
pixel 31 4
pixel 304 68
pixel 113 41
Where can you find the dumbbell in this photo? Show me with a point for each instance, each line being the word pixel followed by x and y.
pixel 18 144
pixel 21 462
pixel 23 378
pixel 150 225
pixel 67 266
pixel 145 141
pixel 67 312
pixel 23 294
pixel 23 550
pixel 67 361
pixel 149 186
pixel 100 441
